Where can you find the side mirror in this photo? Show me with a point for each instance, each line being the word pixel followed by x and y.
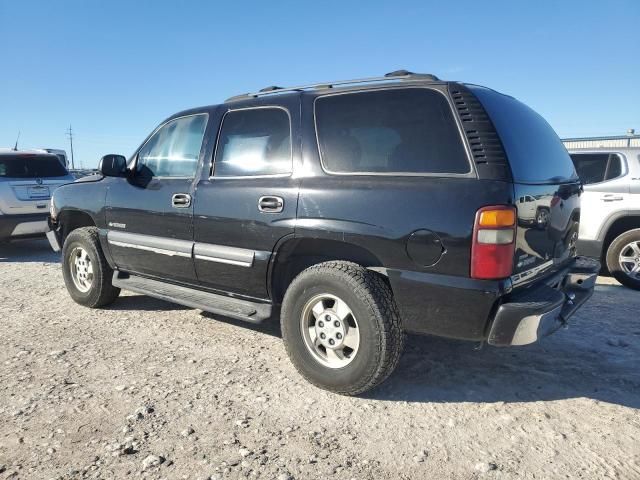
pixel 113 165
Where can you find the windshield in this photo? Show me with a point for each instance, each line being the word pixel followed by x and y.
pixel 535 152
pixel 31 166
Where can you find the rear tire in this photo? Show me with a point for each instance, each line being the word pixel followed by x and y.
pixel 352 299
pixel 623 259
pixel 86 273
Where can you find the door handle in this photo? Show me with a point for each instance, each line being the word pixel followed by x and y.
pixel 610 197
pixel 271 204
pixel 181 200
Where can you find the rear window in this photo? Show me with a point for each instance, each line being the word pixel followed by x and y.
pixel 597 167
pixel 535 152
pixel 399 131
pixel 31 166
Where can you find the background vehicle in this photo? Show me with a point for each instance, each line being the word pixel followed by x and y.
pixel 27 180
pixel 61 154
pixel 610 226
pixel 365 209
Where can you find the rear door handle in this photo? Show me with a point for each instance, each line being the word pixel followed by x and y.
pixel 271 204
pixel 610 197
pixel 181 200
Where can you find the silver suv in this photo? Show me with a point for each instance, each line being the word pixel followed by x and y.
pixel 610 211
pixel 27 180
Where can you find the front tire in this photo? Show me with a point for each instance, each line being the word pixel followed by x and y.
pixel 86 273
pixel 623 258
pixel 341 327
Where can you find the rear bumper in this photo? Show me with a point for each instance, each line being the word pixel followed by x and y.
pixel 524 317
pixel 446 305
pixel 20 226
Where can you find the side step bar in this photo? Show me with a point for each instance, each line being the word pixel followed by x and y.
pixel 209 302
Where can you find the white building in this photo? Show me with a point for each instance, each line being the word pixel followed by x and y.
pixel 629 140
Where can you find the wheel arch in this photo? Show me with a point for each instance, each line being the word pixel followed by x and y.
pixel 72 219
pixel 294 255
pixel 617 226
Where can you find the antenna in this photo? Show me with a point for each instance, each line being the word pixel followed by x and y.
pixel 15 147
pixel 70 135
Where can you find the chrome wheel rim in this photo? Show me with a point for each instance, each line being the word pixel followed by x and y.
pixel 81 269
pixel 629 259
pixel 330 330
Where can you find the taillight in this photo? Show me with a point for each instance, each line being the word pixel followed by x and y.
pixel 492 249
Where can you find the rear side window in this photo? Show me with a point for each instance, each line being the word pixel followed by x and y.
pixel 174 149
pixel 31 166
pixel 536 154
pixel 254 142
pixel 399 131
pixel 597 167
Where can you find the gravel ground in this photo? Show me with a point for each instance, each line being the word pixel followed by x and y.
pixel 148 389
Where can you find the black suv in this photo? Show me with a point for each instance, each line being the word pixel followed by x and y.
pixel 359 210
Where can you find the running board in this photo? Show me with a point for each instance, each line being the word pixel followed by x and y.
pixel 209 302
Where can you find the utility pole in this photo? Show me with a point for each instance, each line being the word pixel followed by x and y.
pixel 70 135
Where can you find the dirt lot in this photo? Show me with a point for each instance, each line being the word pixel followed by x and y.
pixel 147 389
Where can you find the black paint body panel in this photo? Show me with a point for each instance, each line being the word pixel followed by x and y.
pixel 548 222
pixel 147 210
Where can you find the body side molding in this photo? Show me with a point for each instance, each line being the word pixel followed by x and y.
pixel 223 254
pixel 202 251
pixel 160 245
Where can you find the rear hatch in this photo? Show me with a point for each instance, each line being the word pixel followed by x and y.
pixel 27 182
pixel 546 189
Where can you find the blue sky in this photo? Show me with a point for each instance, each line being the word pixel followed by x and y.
pixel 115 69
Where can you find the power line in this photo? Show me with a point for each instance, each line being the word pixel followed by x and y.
pixel 70 135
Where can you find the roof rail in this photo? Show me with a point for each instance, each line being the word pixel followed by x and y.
pixel 389 77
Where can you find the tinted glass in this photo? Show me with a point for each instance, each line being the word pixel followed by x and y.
pixel 591 167
pixel 389 131
pixel 535 152
pixel 597 167
pixel 173 151
pixel 254 142
pixel 31 166
pixel 615 167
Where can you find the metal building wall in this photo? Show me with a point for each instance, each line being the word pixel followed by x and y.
pixel 602 142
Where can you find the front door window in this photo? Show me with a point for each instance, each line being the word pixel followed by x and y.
pixel 173 150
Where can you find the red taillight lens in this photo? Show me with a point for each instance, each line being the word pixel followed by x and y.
pixel 492 249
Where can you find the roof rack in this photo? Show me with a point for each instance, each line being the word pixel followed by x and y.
pixel 388 77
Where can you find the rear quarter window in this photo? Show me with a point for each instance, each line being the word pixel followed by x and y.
pixel 535 153
pixel 395 131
